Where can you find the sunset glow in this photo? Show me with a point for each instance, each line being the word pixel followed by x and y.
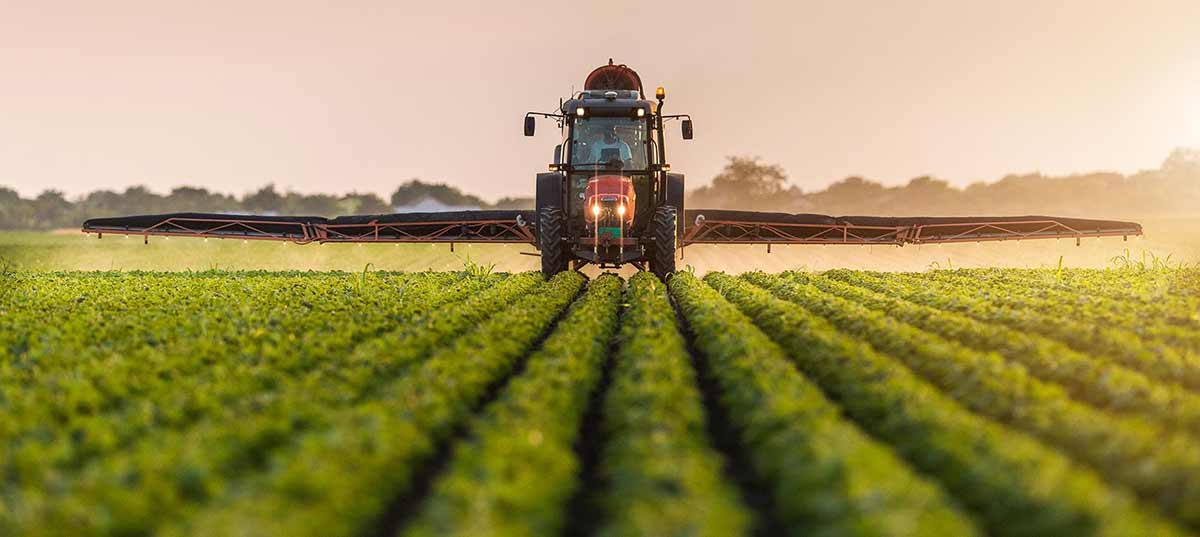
pixel 316 98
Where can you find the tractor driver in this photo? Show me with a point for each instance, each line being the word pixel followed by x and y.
pixel 609 140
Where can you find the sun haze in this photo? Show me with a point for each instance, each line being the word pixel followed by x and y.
pixel 316 98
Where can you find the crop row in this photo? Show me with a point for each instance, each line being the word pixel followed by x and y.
pixel 344 480
pixel 1161 466
pixel 172 386
pixel 847 403
pixel 1146 301
pixel 659 473
pixel 170 472
pixel 1160 290
pixel 56 322
pixel 223 392
pixel 516 470
pixel 1115 345
pixel 1103 384
pixel 99 339
pixel 1154 291
pixel 1013 484
pixel 824 476
pixel 1157 323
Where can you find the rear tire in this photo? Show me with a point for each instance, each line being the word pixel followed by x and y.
pixel 663 225
pixel 551 230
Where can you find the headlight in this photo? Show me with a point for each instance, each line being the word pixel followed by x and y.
pixel 580 111
pixel 596 209
pixel 621 210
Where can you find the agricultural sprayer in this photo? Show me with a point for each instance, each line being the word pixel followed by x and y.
pixel 610 199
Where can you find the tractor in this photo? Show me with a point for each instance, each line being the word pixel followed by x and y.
pixel 610 198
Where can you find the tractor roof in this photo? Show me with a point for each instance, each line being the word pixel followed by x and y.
pixel 607 102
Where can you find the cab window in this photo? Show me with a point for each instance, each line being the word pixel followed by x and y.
pixel 602 139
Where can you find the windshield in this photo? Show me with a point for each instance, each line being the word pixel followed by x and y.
pixel 604 139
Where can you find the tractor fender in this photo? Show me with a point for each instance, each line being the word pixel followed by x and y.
pixel 675 190
pixel 550 190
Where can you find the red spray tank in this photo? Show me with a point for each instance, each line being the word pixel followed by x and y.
pixel 614 77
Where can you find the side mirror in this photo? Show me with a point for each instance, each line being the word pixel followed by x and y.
pixel 558 154
pixel 687 129
pixel 530 125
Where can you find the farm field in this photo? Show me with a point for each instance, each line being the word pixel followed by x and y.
pixel 951 402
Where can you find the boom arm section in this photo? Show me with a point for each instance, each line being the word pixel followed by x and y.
pixel 459 226
pixel 749 227
pixel 704 226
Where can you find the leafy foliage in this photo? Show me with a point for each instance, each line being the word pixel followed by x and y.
pixel 1005 402
pixel 847 483
pixel 339 481
pixel 661 474
pixel 515 471
pixel 1103 384
pixel 1162 466
pixel 975 459
pixel 1099 340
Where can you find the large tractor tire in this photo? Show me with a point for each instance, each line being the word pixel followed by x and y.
pixel 551 230
pixel 663 226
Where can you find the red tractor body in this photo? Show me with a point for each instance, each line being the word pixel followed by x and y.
pixel 610 201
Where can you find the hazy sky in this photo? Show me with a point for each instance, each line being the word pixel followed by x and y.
pixel 315 96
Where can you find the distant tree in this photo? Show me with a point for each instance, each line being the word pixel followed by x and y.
pixel 746 183
pixel 50 210
pixel 192 199
pixel 355 203
pixel 265 201
pixel 137 199
pixel 514 204
pixel 15 213
pixel 312 204
pixel 1182 160
pixel 849 195
pixel 103 203
pixel 749 177
pixel 415 191
pixel 1180 179
pixel 926 195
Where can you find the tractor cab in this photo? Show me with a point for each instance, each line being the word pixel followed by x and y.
pixel 609 152
pixel 609 179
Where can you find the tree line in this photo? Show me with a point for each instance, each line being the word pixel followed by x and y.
pixel 745 183
pixel 52 210
pixel 1171 190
